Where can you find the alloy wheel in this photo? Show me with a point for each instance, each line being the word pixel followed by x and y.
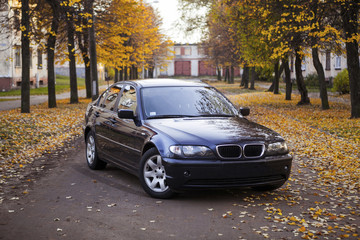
pixel 154 174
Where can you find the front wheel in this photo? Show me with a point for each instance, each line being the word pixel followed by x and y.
pixel 153 175
pixel 92 158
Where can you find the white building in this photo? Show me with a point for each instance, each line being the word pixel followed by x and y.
pixel 332 64
pixel 10 54
pixel 189 60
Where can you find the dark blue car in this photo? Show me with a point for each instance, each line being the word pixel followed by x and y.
pixel 182 134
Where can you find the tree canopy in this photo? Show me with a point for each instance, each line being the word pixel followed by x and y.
pixel 265 32
pixel 128 34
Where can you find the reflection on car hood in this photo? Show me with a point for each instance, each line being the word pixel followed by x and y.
pixel 221 130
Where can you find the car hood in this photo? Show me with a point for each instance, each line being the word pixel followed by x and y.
pixel 222 130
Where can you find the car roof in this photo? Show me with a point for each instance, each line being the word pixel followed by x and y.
pixel 167 82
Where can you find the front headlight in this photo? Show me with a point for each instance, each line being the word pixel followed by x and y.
pixel 277 148
pixel 191 151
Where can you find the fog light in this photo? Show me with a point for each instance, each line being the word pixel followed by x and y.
pixel 286 168
pixel 187 174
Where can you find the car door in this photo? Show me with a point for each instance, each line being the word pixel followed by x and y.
pixel 104 121
pixel 127 134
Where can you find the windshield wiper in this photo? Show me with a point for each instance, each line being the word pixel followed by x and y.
pixel 169 116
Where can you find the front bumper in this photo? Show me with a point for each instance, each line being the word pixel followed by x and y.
pixel 189 174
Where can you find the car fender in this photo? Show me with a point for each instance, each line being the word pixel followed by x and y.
pixel 161 143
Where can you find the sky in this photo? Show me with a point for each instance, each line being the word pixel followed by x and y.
pixel 170 15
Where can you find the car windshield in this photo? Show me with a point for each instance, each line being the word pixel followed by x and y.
pixel 168 102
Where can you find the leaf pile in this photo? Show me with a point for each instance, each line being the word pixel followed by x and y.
pixel 24 137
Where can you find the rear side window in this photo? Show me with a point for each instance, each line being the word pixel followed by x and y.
pixel 101 99
pixel 110 98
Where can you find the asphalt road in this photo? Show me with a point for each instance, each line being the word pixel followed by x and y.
pixel 61 198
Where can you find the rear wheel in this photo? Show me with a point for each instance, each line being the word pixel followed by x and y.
pixel 92 159
pixel 153 175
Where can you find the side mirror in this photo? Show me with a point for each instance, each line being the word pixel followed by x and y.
pixel 126 114
pixel 245 111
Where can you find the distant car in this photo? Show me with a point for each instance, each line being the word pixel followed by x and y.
pixel 182 134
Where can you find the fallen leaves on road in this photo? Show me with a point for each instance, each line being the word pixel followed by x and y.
pixel 24 137
pixel 325 146
pixel 325 141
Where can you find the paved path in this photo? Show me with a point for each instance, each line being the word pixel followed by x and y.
pixel 37 99
pixel 333 97
pixel 34 100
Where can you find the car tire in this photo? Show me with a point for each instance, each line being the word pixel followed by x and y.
pixel 152 175
pixel 92 158
pixel 269 187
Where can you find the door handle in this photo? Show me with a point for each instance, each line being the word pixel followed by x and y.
pixel 113 120
pixel 97 114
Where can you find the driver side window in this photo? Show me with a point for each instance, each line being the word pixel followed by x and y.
pixel 128 99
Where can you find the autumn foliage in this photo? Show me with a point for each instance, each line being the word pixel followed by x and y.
pixel 261 33
pixel 128 35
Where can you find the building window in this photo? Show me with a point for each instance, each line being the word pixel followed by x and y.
pixel 182 51
pixel 328 60
pixel 201 51
pixel 17 56
pixel 187 51
pixel 177 50
pixel 39 57
pixel 337 62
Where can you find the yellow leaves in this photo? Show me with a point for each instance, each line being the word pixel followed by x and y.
pixel 265 13
pixel 133 36
pixel 302 229
pixel 24 137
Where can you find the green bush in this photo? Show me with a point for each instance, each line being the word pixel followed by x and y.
pixel 341 82
pixel 312 80
pixel 265 73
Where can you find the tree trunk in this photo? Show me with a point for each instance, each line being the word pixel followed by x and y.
pixel 83 40
pixel 349 13
pixel 245 77
pixel 232 75
pixel 218 73
pixel 252 78
pixel 25 57
pixel 271 88
pixel 300 80
pixel 116 77
pixel 136 73
pixel 285 62
pixel 92 51
pixel 322 84
pixel 277 78
pixel 126 73
pixel 84 52
pixel 87 77
pixel 72 64
pixel 51 56
pixel 121 75
pixel 227 74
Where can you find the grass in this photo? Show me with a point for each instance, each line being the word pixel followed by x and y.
pixel 62 85
pixel 6 99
